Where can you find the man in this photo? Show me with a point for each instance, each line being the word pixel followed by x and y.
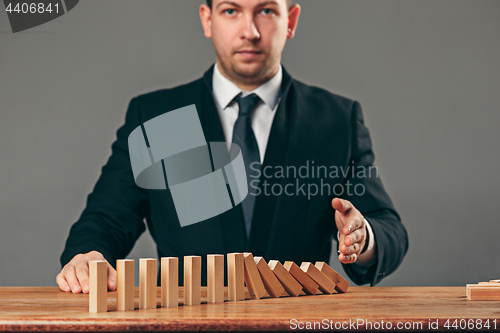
pixel 280 124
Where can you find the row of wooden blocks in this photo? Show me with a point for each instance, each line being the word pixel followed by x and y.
pixel 483 291
pixel 262 280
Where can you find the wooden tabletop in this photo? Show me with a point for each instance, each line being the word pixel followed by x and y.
pixel 412 308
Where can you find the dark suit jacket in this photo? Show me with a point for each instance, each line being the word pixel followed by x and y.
pixel 311 126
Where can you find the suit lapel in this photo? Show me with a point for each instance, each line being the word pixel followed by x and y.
pixel 234 235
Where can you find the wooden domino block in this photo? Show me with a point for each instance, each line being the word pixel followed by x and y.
pixel 125 284
pixel 192 280
pixel 252 277
pixel 169 282
pixel 98 286
pixel 476 292
pixel 147 283
pixel 292 287
pixel 495 281
pixel 341 284
pixel 215 278
pixel 271 282
pixel 325 284
pixel 235 276
pixel 308 285
pixel 468 288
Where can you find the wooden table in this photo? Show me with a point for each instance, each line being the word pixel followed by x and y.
pixel 412 308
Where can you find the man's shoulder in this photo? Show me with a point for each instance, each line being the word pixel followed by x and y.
pixel 320 96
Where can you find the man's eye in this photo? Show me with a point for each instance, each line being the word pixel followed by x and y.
pixel 230 11
pixel 267 11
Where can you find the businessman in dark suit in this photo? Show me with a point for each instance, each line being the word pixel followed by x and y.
pixel 281 125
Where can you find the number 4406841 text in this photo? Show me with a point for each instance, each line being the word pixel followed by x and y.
pixel 32 8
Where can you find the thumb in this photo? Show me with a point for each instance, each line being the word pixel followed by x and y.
pixel 341 205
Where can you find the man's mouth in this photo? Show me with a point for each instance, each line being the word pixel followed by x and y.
pixel 249 53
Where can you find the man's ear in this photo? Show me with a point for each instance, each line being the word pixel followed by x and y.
pixel 293 20
pixel 206 20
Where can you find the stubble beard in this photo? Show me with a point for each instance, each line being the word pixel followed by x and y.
pixel 250 73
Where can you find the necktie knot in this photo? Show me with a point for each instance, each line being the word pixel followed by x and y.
pixel 247 104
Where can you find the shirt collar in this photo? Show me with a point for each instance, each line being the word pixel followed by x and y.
pixel 225 91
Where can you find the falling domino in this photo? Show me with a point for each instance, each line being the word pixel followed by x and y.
pixel 235 276
pixel 192 280
pixel 98 286
pixel 147 283
pixel 292 287
pixel 169 282
pixel 271 282
pixel 341 284
pixel 309 286
pixel 325 284
pixel 252 278
pixel 215 278
pixel 125 284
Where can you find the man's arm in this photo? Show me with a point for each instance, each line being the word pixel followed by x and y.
pixel 368 200
pixel 113 218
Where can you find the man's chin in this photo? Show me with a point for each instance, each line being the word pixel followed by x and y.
pixel 249 70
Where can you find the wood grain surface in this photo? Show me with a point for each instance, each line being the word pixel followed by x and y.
pixel 48 309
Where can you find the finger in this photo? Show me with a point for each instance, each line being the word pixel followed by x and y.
pixel 82 274
pixel 111 277
pixel 341 240
pixel 62 283
pixel 70 276
pixel 353 224
pixel 341 205
pixel 353 249
pixel 347 259
pixel 355 237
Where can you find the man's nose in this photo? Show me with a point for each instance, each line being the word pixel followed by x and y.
pixel 249 29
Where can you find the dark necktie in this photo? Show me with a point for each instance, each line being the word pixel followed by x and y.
pixel 244 137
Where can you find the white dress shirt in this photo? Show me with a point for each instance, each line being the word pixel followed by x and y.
pixel 261 121
pixel 262 117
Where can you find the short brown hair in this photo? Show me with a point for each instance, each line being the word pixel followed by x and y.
pixel 209 3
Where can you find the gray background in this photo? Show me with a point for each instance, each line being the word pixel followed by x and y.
pixel 426 73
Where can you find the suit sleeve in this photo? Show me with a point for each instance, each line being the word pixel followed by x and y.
pixel 370 198
pixel 114 216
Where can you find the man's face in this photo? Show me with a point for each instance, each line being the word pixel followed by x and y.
pixel 248 37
